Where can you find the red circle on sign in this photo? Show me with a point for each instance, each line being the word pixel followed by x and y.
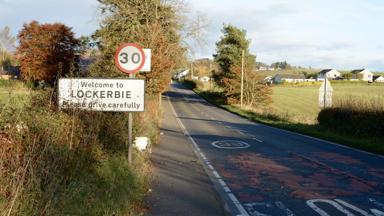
pixel 117 63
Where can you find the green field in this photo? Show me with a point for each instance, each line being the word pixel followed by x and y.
pixel 13 93
pixel 300 104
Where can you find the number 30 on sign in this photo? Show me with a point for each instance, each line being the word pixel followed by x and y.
pixel 130 58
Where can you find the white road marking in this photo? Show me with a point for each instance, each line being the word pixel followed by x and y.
pixel 197 150
pixel 354 208
pixel 377 212
pixel 311 203
pixel 254 138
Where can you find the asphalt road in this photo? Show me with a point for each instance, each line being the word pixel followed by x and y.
pixel 259 170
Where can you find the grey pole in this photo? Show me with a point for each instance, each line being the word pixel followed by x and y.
pixel 130 123
pixel 242 78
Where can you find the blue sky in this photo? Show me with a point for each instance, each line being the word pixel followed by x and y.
pixel 342 34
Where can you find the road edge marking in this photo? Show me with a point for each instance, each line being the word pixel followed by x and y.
pixel 217 181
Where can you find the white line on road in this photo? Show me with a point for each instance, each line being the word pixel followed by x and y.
pixel 206 163
pixel 254 138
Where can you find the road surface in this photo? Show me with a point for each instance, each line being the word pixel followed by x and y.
pixel 259 170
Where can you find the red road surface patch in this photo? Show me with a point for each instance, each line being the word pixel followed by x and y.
pixel 289 176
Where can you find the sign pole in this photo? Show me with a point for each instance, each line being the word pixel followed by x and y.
pixel 130 125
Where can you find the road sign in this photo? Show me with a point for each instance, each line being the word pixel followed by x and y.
pixel 325 94
pixel 117 95
pixel 147 64
pixel 130 58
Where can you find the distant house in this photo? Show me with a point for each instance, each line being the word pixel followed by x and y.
pixel 268 80
pixel 5 75
pixel 329 73
pixel 289 78
pixel 263 68
pixel 181 75
pixel 363 74
pixel 204 79
pixel 378 79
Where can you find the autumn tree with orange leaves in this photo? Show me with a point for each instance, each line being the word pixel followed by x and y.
pixel 46 51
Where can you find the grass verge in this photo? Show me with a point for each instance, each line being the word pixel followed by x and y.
pixel 370 144
pixel 70 162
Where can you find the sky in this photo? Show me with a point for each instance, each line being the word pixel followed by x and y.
pixel 341 34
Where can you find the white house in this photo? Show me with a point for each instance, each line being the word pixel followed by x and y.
pixel 181 74
pixel 363 74
pixel 378 79
pixel 290 78
pixel 329 73
pixel 205 79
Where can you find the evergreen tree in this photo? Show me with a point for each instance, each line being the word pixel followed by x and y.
pixel 229 53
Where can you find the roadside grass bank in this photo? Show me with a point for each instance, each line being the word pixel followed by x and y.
pixel 367 142
pixel 70 162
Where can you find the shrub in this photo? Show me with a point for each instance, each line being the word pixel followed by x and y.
pixel 355 116
pixel 69 162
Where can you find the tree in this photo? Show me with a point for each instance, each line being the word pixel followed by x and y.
pixel 46 51
pixel 229 53
pixel 150 23
pixel 281 65
pixel 229 58
pixel 7 44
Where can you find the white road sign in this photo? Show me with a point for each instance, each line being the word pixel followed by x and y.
pixel 130 58
pixel 118 95
pixel 325 94
pixel 147 64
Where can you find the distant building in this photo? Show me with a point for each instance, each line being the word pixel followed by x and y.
pixel 378 79
pixel 268 80
pixel 289 78
pixel 262 68
pixel 363 74
pixel 329 73
pixel 181 75
pixel 4 75
pixel 204 79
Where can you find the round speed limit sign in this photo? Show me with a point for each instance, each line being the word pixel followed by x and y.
pixel 130 58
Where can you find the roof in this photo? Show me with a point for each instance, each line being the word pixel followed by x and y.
pixel 291 76
pixel 375 77
pixel 325 71
pixel 4 72
pixel 357 71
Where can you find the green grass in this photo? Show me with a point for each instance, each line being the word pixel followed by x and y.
pixel 300 104
pixel 13 92
pixel 295 106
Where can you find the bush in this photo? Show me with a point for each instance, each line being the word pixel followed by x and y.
pixel 70 162
pixel 355 116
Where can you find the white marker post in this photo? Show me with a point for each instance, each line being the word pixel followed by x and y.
pixel 130 59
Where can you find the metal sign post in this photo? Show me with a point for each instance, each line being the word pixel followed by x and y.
pixel 325 94
pixel 130 58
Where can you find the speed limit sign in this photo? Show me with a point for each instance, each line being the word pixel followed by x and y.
pixel 130 58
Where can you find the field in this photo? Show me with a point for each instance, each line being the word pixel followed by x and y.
pixel 300 103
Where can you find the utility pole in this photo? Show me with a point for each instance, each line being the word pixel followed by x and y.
pixel 242 79
pixel 192 70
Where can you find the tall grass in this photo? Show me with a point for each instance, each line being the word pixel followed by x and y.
pixel 71 162
pixel 357 116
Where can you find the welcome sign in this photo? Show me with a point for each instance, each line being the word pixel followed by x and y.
pixel 116 95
